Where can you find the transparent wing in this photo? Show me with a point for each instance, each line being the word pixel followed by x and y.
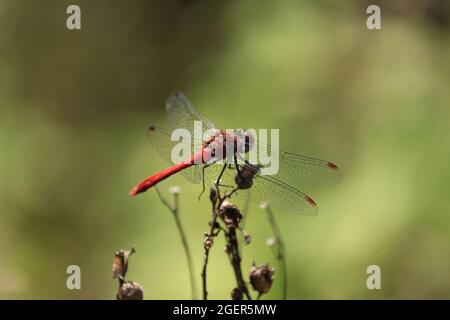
pixel 182 114
pixel 161 141
pixel 281 196
pixel 264 188
pixel 301 172
pixel 295 172
pixel 193 174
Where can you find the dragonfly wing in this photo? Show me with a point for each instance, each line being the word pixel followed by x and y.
pixel 182 114
pixel 281 196
pixel 301 172
pixel 264 188
pixel 161 141
pixel 193 174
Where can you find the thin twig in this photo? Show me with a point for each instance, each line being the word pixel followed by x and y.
pixel 280 256
pixel 208 241
pixel 206 254
pixel 175 212
pixel 233 246
pixel 236 260
pixel 232 239
pixel 245 212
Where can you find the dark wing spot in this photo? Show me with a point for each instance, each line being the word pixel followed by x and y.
pixel 311 201
pixel 152 128
pixel 332 165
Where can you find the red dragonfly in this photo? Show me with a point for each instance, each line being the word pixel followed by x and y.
pixel 281 190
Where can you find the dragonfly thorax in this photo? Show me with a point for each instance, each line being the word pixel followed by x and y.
pixel 240 140
pixel 226 145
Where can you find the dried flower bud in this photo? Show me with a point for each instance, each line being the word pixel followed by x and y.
pixel 261 278
pixel 244 179
pixel 247 239
pixel 213 195
pixel 130 291
pixel 175 190
pixel 243 182
pixel 236 294
pixel 271 242
pixel 208 242
pixel 230 214
pixel 120 263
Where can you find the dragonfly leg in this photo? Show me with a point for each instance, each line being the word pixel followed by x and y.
pixel 217 181
pixel 236 164
pixel 221 174
pixel 203 179
pixel 203 176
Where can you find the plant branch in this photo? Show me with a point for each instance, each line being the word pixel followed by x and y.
pixel 175 212
pixel 230 235
pixel 235 259
pixel 207 245
pixel 280 254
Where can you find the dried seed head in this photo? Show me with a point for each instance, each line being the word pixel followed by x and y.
pixel 271 242
pixel 208 242
pixel 236 294
pixel 175 190
pixel 118 268
pixel 243 182
pixel 120 263
pixel 261 278
pixel 130 291
pixel 247 239
pixel 244 179
pixel 230 214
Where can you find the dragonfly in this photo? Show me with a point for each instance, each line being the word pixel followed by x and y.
pixel 284 190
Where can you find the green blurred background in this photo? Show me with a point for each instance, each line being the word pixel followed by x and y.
pixel 75 105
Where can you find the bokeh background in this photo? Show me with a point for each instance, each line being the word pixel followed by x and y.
pixel 75 105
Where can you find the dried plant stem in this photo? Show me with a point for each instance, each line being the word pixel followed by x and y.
pixel 205 265
pixel 212 224
pixel 175 212
pixel 236 260
pixel 212 233
pixel 280 254
pixel 232 244
pixel 244 211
